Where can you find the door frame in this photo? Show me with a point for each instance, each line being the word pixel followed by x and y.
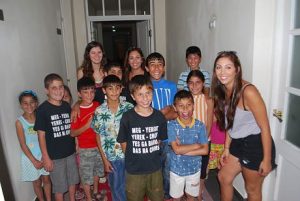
pixel 91 19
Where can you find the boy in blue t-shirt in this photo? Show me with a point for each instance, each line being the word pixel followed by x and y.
pixel 187 137
pixel 163 94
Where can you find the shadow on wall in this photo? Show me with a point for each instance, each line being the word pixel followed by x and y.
pixel 4 177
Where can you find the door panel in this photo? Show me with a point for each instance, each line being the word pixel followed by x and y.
pixel 287 99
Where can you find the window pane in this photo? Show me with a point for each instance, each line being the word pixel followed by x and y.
pixel 95 8
pixel 143 7
pixel 295 71
pixel 293 120
pixel 297 14
pixel 127 7
pixel 111 7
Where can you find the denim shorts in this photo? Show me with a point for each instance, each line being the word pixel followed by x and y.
pixel 249 151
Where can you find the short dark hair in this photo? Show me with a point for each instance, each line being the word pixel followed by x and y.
pixel 182 94
pixel 195 73
pixel 138 82
pixel 27 93
pixel 111 80
pixel 112 64
pixel 193 50
pixel 50 78
pixel 85 83
pixel 155 56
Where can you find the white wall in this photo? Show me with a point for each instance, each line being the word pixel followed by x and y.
pixel 187 24
pixel 30 49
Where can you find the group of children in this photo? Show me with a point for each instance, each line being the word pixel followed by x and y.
pixel 150 139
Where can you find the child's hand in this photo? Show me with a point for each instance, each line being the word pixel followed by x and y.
pixel 107 166
pixel 37 164
pixel 48 164
pixel 177 141
pixel 223 158
pixel 75 112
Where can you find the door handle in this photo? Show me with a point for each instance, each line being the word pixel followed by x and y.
pixel 277 114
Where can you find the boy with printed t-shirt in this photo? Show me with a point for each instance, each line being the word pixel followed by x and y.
pixel 188 140
pixel 193 58
pixel 90 163
pixel 106 124
pixel 58 147
pixel 141 130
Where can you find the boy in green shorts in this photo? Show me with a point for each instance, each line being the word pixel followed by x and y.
pixel 141 130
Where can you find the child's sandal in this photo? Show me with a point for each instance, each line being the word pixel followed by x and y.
pixel 96 196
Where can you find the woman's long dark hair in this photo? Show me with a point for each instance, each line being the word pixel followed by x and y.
pixel 126 62
pixel 86 65
pixel 225 106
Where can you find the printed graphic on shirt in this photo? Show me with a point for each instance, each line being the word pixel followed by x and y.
pixel 144 140
pixel 61 124
pixel 163 97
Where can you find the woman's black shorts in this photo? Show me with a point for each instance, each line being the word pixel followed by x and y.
pixel 249 151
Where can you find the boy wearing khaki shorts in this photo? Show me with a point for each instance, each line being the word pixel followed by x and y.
pixel 90 162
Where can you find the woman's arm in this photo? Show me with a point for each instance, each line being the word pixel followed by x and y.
pixel 254 103
pixel 79 73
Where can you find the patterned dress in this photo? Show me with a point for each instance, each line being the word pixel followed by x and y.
pixel 29 172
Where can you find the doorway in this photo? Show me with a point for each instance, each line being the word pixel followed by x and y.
pixel 118 36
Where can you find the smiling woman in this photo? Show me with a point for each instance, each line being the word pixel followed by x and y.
pixel 93 62
pixel 241 112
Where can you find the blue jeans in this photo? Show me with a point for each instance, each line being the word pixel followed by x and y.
pixel 165 160
pixel 116 180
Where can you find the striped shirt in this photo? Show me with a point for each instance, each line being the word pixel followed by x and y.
pixel 200 108
pixel 181 84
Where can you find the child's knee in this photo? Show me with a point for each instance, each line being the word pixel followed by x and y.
pixel 46 180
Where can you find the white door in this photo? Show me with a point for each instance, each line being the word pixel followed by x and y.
pixel 287 100
pixel 143 33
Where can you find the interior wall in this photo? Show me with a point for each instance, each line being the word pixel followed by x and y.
pixel 188 24
pixel 30 49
